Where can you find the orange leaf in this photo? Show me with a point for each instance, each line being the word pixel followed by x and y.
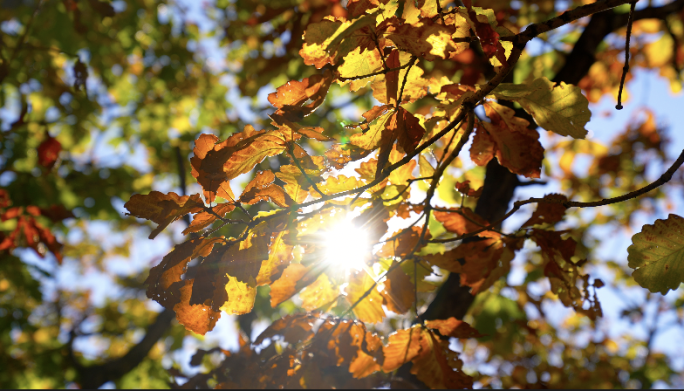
pixel 291 98
pixel 464 188
pixel 460 220
pixel 403 245
pixel 262 188
pixel 403 346
pixel 48 151
pixel 286 286
pixel 437 366
pixel 163 209
pixel 198 318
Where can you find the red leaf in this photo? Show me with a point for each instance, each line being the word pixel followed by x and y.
pixel 48 152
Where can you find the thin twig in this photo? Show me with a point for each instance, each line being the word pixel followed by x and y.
pixel 403 84
pixel 290 150
pixel 625 68
pixel 575 204
pixel 382 72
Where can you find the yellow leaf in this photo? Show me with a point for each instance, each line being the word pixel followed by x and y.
pixel 559 108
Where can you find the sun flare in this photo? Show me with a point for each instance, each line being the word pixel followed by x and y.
pixel 347 245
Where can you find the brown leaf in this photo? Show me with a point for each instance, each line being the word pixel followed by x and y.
pixel 163 209
pixel 202 220
pixel 546 212
pixel 294 329
pixel 453 327
pixel 286 286
pixel 464 188
pixel 516 146
pixel 214 164
pixel 403 245
pixel 399 292
pixel 483 147
pixel 172 266
pixel 426 38
pixel 408 130
pixel 437 366
pixel 460 220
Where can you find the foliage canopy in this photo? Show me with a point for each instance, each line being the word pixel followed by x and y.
pixel 365 220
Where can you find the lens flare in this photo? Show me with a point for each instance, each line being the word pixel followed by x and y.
pixel 347 246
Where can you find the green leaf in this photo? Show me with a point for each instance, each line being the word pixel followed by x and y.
pixel 657 255
pixel 559 108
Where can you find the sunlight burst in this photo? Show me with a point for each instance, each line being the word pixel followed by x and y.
pixel 347 245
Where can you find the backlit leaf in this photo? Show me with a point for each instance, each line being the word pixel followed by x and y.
pixel 163 209
pixel 369 308
pixel 516 146
pixel 657 254
pixel 559 108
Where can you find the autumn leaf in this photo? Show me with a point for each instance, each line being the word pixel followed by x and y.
pixel 515 145
pixel 367 308
pixel 403 346
pixel 48 151
pixel 262 188
pixel 437 366
pixel 464 188
pixel 280 255
pixel 460 220
pixel 319 294
pixel 286 286
pixel 398 292
pixel 559 108
pixel 403 244
pixel 163 209
pixel 294 329
pixel 453 327
pixel 164 279
pixel 656 255
pixel 214 164
pixel 199 318
pixel 204 219
pixel 426 38
pixel 297 99
pixel 240 297
pixel 548 212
